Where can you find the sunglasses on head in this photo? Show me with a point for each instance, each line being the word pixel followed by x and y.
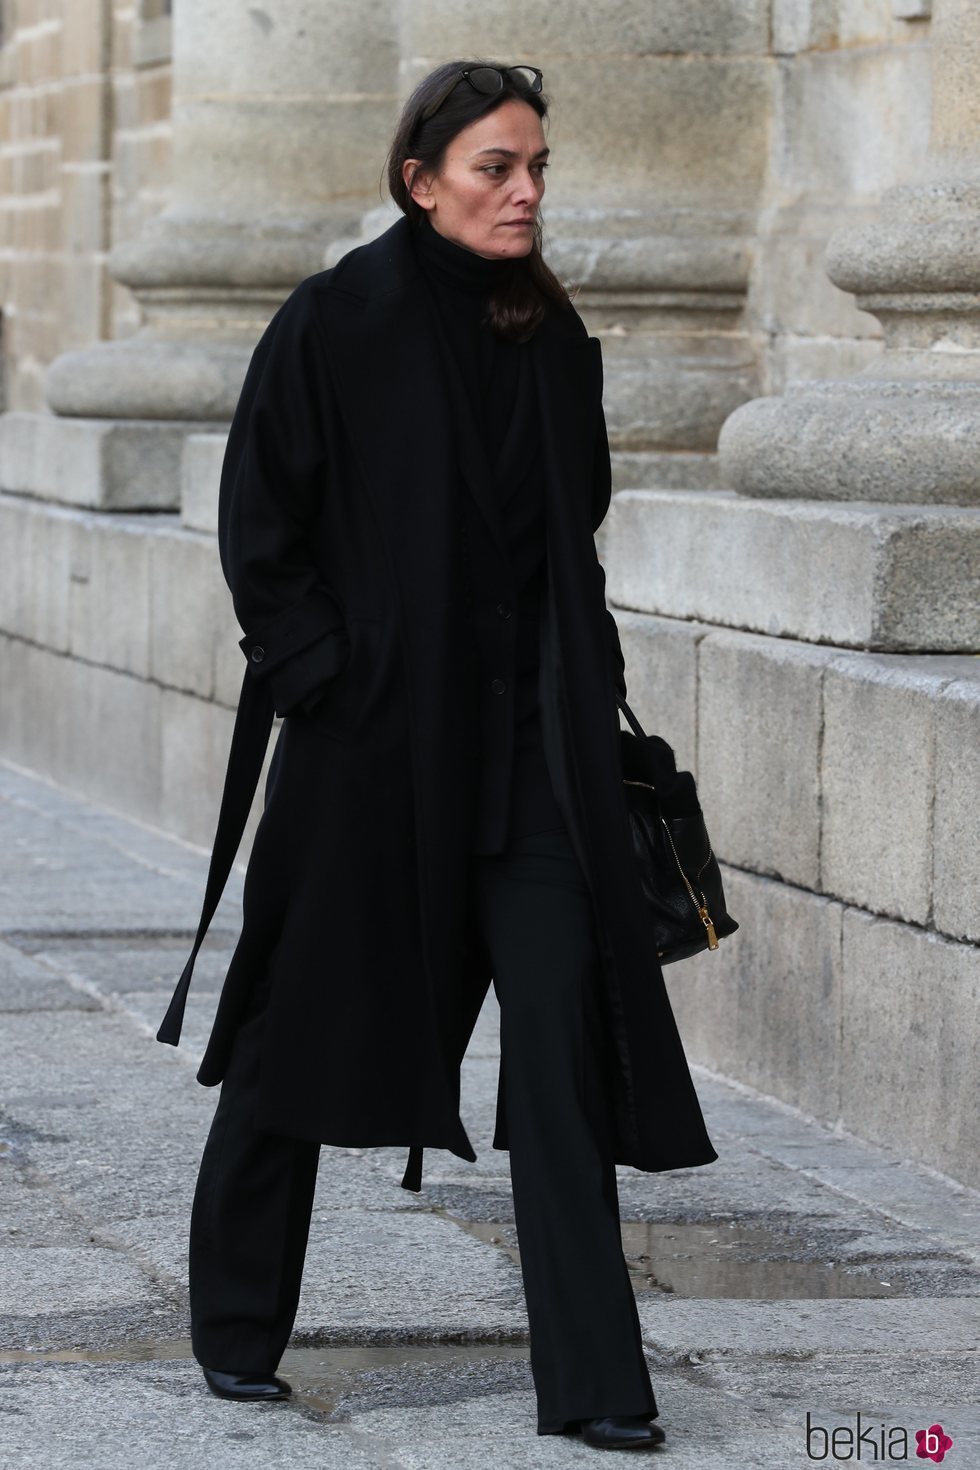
pixel 488 80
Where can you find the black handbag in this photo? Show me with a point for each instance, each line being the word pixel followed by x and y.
pixel 679 874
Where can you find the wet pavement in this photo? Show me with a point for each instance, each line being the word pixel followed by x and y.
pixel 804 1279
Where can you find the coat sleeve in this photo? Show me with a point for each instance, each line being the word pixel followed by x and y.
pixel 273 478
pixel 601 497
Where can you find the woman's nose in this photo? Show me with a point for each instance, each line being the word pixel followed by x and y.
pixel 525 188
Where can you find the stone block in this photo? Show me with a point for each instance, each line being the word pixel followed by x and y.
pixel 684 153
pixel 792 297
pixel 896 578
pixel 200 478
pixel 91 729
pixel 438 30
pixel 83 202
pixel 76 292
pixel 766 1007
pixel 35 558
pixel 638 469
pixel 795 357
pixel 802 25
pixel 229 661
pixel 673 404
pixel 110 592
pixel 85 117
pixel 908 1060
pixel 760 719
pixel 186 587
pixel 196 738
pixel 105 464
pixel 311 48
pixel 83 37
pixel 252 150
pixel 956 867
pixel 849 121
pixel 877 782
pixel 662 679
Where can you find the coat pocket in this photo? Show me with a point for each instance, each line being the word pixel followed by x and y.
pixel 339 711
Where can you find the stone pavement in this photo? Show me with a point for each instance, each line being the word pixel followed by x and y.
pixel 804 1272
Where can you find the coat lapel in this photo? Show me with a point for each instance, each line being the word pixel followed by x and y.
pixel 568 371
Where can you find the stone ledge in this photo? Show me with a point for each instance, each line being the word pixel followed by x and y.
pixel 779 567
pixel 101 464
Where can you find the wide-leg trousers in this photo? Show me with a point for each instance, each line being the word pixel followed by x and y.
pixel 531 908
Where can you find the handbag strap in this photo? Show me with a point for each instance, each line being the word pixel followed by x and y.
pixel 631 717
pixel 249 743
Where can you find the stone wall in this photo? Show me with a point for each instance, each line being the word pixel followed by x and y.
pixel 84 162
pixel 798 610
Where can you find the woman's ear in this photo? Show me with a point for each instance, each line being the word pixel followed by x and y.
pixel 418 184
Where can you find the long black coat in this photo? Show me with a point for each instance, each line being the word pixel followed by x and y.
pixel 339 537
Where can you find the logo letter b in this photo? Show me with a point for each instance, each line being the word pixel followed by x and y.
pixel 811 1431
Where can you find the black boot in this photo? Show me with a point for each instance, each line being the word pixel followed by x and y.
pixel 246 1387
pixel 621 1432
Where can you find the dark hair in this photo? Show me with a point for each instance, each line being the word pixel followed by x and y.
pixel 517 306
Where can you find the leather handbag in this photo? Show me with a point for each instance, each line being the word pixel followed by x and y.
pixel 679 874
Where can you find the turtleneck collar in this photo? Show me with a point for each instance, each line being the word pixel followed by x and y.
pixel 448 264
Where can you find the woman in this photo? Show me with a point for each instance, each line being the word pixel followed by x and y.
pixel 414 475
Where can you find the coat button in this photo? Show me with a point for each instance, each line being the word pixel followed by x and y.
pixel 498 686
pixel 503 611
pixel 258 654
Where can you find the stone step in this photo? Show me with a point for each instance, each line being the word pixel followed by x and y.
pixel 103 464
pixel 897 578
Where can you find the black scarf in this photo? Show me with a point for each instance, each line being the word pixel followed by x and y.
pixel 488 365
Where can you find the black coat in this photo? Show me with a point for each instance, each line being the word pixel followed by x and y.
pixel 339 537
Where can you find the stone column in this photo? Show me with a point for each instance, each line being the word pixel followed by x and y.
pixel 280 117
pixel 906 431
pixel 651 198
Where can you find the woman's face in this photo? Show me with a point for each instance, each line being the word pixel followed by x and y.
pixel 487 193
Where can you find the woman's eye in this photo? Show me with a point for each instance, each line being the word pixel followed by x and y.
pixel 501 168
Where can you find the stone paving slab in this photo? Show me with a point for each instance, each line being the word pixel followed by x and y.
pixel 29 985
pixel 37 1280
pixel 112 1417
pixel 101 1131
pixel 678 1328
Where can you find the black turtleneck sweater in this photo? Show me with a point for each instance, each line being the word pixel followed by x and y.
pixel 499 421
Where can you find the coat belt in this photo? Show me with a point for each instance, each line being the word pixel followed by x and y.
pixel 249 743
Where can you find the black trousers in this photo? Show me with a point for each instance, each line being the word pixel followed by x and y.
pixel 254 1198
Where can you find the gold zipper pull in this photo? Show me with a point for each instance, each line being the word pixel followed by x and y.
pixel 706 921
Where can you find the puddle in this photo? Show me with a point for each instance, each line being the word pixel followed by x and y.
pixel 739 1261
pixel 320 1376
